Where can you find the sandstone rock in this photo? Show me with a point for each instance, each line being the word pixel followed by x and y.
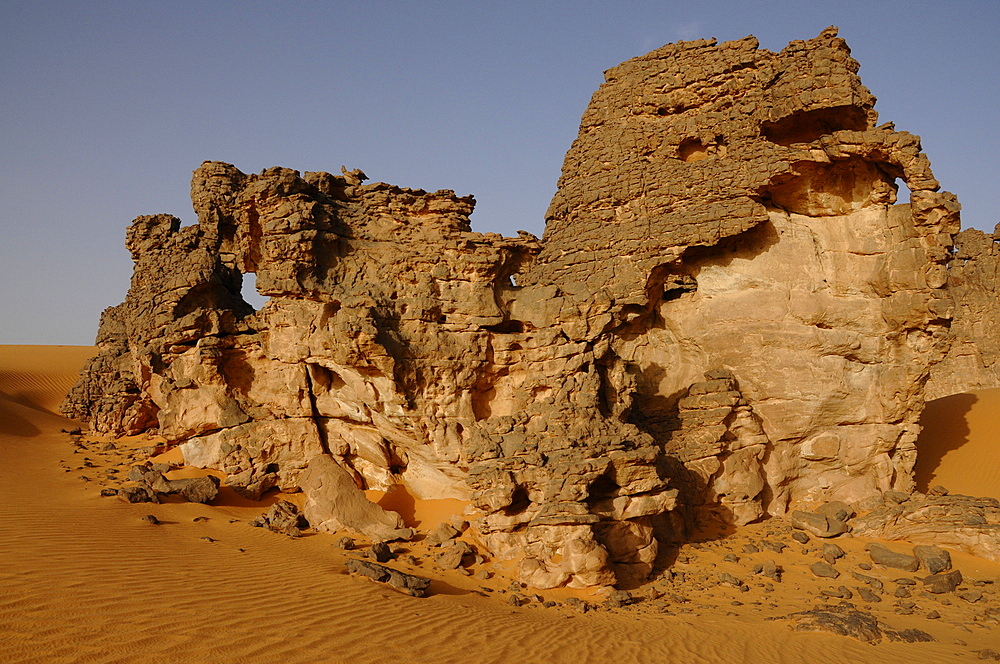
pixel 868 595
pixel 832 550
pixel 410 584
pixel 943 582
pixel 819 525
pixel 282 517
pixel 140 493
pixel 451 557
pixel 727 318
pixel 845 620
pixel 196 489
pixel 933 558
pixel 966 524
pixel 882 555
pixel 897 497
pixel 824 570
pixel 334 502
pixel 380 552
pixel 837 510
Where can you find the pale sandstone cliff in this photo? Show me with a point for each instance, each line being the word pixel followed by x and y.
pixel 727 315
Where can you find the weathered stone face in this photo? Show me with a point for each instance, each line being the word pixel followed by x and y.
pixel 727 314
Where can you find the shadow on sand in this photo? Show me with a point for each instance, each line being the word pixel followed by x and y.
pixel 943 428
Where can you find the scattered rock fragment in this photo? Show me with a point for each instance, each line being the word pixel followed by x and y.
pixel 831 550
pixel 380 552
pixel 971 596
pixel 933 558
pixel 451 557
pixel 882 555
pixel 867 595
pixel 282 517
pixel 410 584
pixel 846 620
pixel 819 525
pixel 944 582
pixel 824 569
pixel 140 493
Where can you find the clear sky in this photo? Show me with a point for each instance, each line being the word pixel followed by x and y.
pixel 107 107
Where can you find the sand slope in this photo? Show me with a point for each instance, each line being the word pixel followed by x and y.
pixel 85 579
pixel 959 446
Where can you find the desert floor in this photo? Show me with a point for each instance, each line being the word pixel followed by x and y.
pixel 86 578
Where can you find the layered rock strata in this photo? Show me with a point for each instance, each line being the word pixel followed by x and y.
pixel 973 361
pixel 727 315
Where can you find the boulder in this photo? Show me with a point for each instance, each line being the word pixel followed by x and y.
pixel 943 582
pixel 820 525
pixel 334 502
pixel 140 493
pixel 282 517
pixel 933 558
pixel 882 555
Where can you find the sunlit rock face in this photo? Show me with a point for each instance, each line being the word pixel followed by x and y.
pixel 727 316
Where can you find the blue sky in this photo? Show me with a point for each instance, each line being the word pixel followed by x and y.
pixel 106 108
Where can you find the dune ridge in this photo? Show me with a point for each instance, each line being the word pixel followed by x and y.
pixel 86 579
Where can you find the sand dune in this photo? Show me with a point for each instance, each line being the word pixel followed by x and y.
pixel 86 579
pixel 959 447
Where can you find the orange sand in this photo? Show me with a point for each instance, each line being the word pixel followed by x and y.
pixel 959 447
pixel 86 579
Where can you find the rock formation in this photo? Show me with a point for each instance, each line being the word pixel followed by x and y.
pixel 727 315
pixel 973 361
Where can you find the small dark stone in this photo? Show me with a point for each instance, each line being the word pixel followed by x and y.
pixel 729 579
pixel 945 582
pixel 344 543
pixel 107 493
pixel 380 552
pixel 971 596
pixel 825 570
pixel 800 537
pixel 151 518
pixel 868 596
pixel 777 547
pixel 832 550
